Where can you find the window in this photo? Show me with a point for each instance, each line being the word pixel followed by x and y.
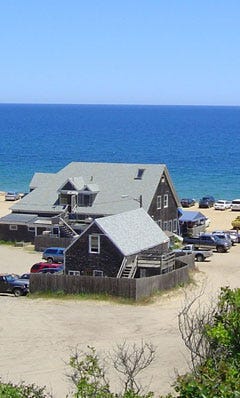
pixel 86 198
pixel 165 200
pixel 97 272
pixel 139 174
pixel 165 226
pixel 175 225
pixel 94 244
pixel 31 229
pixel 170 225
pixel 159 222
pixel 159 202
pixel 71 272
pixel 13 227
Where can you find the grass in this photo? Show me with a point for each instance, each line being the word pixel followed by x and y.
pixel 81 297
pixel 7 243
pixel 108 298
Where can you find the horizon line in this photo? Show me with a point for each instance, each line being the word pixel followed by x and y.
pixel 120 104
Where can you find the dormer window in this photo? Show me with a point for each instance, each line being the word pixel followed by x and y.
pixel 139 174
pixel 86 198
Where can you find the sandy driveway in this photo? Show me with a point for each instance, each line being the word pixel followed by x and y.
pixel 36 336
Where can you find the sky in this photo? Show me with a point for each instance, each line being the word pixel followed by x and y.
pixel 171 52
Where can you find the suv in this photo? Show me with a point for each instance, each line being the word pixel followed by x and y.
pixel 222 205
pixel 187 202
pixel 12 196
pixel 43 265
pixel 10 283
pixel 206 201
pixel 54 254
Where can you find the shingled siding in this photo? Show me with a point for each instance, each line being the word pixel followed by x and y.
pixel 78 258
pixel 134 289
pixel 41 242
pixel 20 234
pixel 167 213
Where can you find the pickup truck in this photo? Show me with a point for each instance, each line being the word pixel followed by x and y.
pixel 10 283
pixel 209 241
pixel 200 255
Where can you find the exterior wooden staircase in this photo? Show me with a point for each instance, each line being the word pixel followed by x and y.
pixel 66 229
pixel 127 270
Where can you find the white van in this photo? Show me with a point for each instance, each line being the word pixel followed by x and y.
pixel 235 204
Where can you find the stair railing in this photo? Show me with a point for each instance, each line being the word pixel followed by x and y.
pixel 68 226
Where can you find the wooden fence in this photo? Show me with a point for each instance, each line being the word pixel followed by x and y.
pixel 134 289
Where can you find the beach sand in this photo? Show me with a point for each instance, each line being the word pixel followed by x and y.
pixel 38 335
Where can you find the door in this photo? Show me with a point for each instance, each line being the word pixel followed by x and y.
pixel 3 285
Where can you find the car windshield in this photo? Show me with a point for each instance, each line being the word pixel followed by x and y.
pixel 10 278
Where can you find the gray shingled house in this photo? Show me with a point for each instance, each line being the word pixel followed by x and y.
pixel 62 204
pixel 111 246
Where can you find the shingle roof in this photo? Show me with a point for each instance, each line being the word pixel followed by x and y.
pixel 132 231
pixel 191 216
pixel 113 180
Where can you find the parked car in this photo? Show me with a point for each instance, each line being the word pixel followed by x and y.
pixel 234 235
pixel 206 201
pixel 10 283
pixel 222 204
pixel 188 202
pixel 209 241
pixel 199 255
pixel 43 265
pixel 235 205
pixel 54 254
pixel 25 276
pixel 223 235
pixel 12 196
pixel 56 270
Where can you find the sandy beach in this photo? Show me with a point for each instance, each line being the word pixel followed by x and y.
pixel 38 336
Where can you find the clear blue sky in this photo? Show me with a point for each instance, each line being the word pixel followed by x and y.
pixel 120 52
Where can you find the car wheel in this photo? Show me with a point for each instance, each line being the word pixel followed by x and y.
pixel 49 260
pixel 199 257
pixel 18 292
pixel 220 249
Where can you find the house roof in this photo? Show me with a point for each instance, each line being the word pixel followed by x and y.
pixel 15 218
pixel 191 216
pixel 25 219
pixel 132 231
pixel 117 185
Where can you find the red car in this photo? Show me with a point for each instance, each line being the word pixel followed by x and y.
pixel 38 266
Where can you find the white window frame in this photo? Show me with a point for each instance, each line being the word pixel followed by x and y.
pixel 170 225
pixel 72 272
pixel 31 229
pixel 159 202
pixel 94 249
pixel 165 200
pixel 13 227
pixel 175 225
pixel 98 273
pixel 165 226
pixel 159 222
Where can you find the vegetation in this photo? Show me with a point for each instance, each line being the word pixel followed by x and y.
pixel 9 390
pixel 212 336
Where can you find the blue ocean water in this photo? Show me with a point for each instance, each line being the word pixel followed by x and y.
pixel 199 144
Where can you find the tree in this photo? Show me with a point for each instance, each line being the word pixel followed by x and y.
pixel 215 350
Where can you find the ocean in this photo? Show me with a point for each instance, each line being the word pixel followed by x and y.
pixel 199 144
